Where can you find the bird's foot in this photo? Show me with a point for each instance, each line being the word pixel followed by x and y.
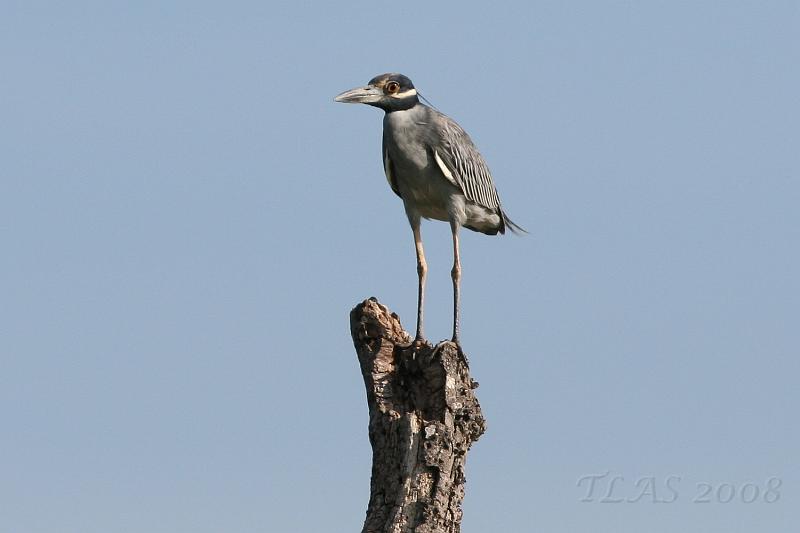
pixel 460 350
pixel 418 342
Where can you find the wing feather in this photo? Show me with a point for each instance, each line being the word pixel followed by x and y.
pixel 462 164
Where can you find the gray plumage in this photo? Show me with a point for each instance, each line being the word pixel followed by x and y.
pixel 432 164
pixel 434 167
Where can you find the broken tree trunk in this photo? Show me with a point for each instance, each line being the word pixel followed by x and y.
pixel 423 418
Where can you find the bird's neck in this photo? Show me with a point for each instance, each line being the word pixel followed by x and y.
pixel 403 105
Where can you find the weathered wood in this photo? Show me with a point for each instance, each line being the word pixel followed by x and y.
pixel 423 418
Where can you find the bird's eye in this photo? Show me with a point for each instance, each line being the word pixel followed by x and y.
pixel 392 87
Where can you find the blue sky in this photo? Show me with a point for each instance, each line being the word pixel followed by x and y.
pixel 187 218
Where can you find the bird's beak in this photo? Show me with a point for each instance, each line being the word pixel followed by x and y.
pixel 360 95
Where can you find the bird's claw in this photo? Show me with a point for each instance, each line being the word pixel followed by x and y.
pixel 461 353
pixel 416 344
pixel 459 350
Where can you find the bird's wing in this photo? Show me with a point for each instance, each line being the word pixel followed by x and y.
pixel 388 169
pixel 463 165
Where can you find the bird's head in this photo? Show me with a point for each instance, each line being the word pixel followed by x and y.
pixel 390 92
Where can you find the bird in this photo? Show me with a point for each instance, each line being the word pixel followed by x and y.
pixel 432 164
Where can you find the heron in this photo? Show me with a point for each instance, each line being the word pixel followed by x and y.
pixel 434 167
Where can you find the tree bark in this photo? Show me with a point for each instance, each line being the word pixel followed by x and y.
pixel 423 418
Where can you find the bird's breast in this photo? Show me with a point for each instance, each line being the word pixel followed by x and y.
pixel 406 144
pixel 418 179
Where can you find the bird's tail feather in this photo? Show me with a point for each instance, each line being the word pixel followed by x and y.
pixel 516 229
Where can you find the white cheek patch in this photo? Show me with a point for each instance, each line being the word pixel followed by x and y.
pixel 405 94
pixel 444 169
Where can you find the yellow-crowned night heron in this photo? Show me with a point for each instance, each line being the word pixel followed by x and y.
pixel 432 164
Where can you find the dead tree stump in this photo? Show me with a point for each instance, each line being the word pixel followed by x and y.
pixel 423 418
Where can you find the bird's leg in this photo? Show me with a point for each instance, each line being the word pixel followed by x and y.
pixel 456 275
pixel 422 270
